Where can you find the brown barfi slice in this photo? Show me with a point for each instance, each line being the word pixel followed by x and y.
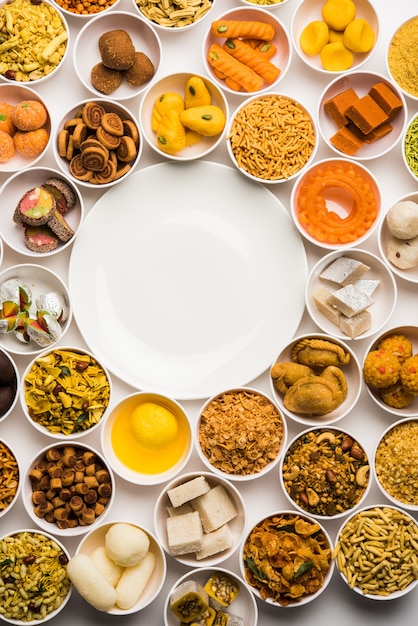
pixel 337 106
pixel 386 98
pixel 347 141
pixel 366 114
pixel 378 133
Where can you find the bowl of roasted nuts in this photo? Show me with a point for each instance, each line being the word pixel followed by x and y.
pixel 390 370
pixel 9 384
pixel 10 477
pixel 316 379
pixel 234 438
pixel 97 143
pixel 65 392
pixel 35 308
pixel 86 10
pixel 295 565
pixel 129 564
pixel 117 54
pixel 68 488
pixel 32 55
pixel 37 556
pixel 386 571
pixel 325 472
pixel 217 593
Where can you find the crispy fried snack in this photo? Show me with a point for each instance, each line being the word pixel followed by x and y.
pixel 319 353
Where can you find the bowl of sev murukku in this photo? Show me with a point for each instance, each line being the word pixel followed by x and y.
pixel 271 138
pixel 240 434
pixel 286 559
pixel 170 16
pixel 10 478
pixel 247 51
pixel 65 392
pixel 375 552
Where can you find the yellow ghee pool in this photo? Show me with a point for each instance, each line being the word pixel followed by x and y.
pixel 148 437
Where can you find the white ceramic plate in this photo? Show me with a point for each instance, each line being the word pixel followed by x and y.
pixel 180 287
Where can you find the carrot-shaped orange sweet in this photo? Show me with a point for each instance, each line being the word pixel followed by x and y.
pixel 247 55
pixel 229 82
pixel 267 48
pixel 251 29
pixel 231 67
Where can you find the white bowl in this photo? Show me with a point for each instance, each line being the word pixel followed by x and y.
pixel 86 53
pixel 309 11
pixel 329 222
pixel 268 5
pixel 384 237
pixel 124 167
pixel 170 459
pixel 10 194
pixel 54 25
pixel 325 472
pixel 361 82
pixel 95 540
pixel 157 13
pixel 40 544
pixel 384 297
pixel 9 384
pixel 230 433
pixel 244 606
pixel 10 480
pixel 176 83
pixel 409 146
pixel 164 509
pixel 397 521
pixel 94 513
pixel 320 542
pixel 281 58
pixel 40 281
pixel 14 93
pixel 392 466
pixel 400 63
pixel 89 10
pixel 87 390
pixel 351 371
pixel 249 155
pixel 411 409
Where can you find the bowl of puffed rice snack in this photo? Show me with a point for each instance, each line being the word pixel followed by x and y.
pixel 234 439
pixel 38 556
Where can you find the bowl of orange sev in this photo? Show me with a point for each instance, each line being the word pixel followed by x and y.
pixel 247 51
pixel 271 138
pixel 336 203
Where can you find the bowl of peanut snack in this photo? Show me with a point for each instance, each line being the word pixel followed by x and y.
pixel 34 55
pixel 234 439
pixel 10 478
pixel 68 488
pixel 37 556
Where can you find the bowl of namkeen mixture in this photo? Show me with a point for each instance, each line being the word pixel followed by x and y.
pixel 172 15
pixel 240 434
pixel 286 558
pixel 395 463
pixel 10 483
pixel 384 572
pixel 390 370
pixel 39 556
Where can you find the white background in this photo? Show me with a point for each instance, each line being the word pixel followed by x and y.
pixel 182 52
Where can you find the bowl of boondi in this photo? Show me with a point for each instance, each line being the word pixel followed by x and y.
pixel 401 58
pixel 335 36
pixel 249 147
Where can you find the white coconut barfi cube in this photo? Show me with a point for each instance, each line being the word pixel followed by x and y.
pixel 344 271
pixel 350 300
pixel 184 533
pixel 215 542
pixel 215 508
pixel 188 491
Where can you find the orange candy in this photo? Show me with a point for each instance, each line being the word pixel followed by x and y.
pixel 32 142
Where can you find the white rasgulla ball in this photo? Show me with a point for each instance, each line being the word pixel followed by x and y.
pixel 126 544
pixel 402 219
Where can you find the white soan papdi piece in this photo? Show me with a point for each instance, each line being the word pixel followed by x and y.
pixel 215 542
pixel 357 325
pixel 188 491
pixel 215 508
pixel 344 271
pixel 350 300
pixel 184 533
pixel 321 298
pixel 368 285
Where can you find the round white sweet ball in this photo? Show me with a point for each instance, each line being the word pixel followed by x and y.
pixel 126 544
pixel 402 219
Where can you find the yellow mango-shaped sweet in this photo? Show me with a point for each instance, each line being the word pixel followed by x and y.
pixel 314 37
pixel 335 35
pixel 196 93
pixel 338 13
pixel 171 134
pixel 207 120
pixel 192 137
pixel 359 36
pixel 170 100
pixel 335 57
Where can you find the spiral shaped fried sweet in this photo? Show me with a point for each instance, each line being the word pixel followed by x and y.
pixel 127 150
pixel 131 129
pixel 92 113
pixel 112 123
pixel 78 170
pixel 107 139
pixel 95 158
pixel 106 175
